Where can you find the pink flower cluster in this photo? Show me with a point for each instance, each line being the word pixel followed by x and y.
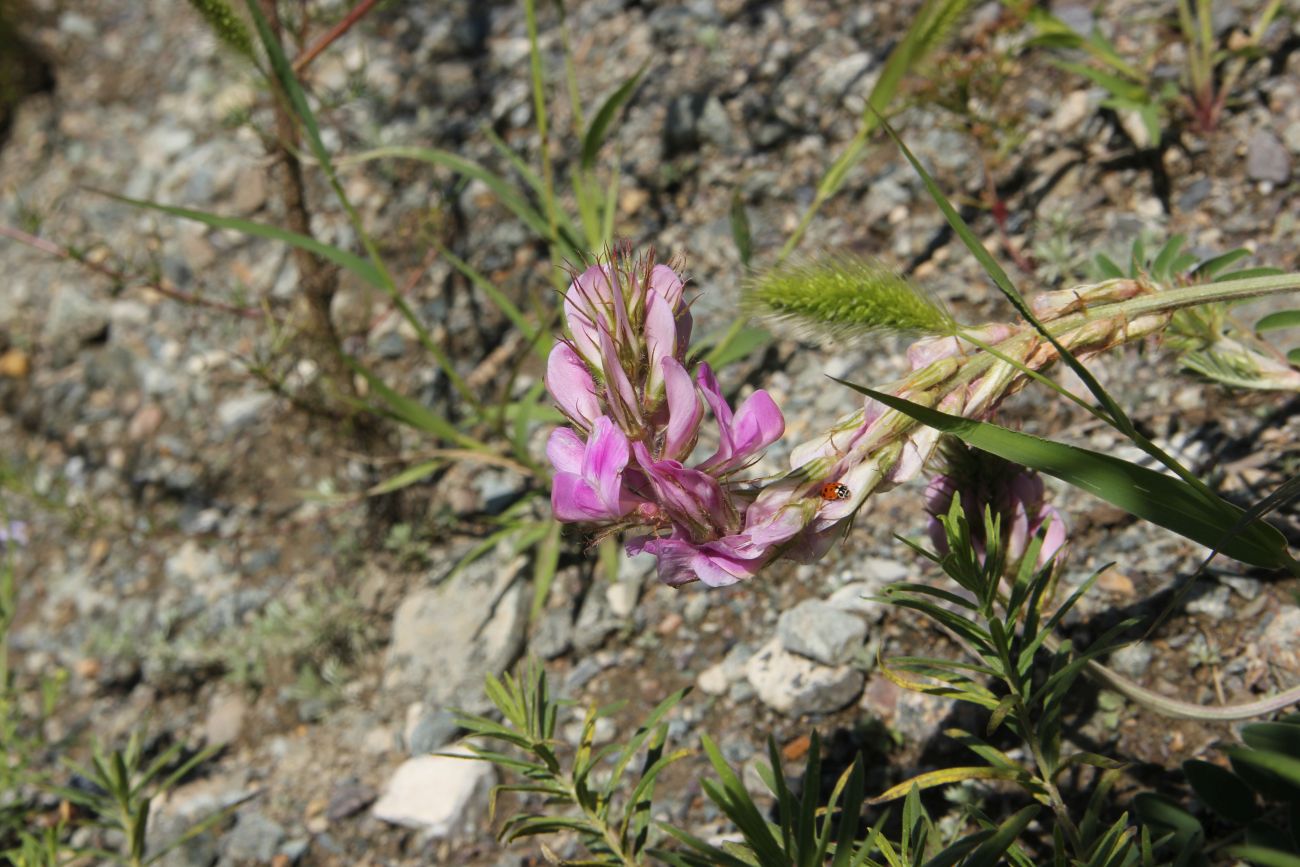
pixel 1011 493
pixel 622 379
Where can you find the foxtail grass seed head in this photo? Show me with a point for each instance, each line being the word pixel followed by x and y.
pixel 842 296
pixel 226 24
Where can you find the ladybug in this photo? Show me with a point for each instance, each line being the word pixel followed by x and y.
pixel 835 491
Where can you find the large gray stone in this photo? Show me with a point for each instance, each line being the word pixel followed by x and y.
pixel 821 632
pixel 447 638
pixel 794 685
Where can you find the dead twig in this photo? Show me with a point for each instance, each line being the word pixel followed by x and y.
pixel 162 287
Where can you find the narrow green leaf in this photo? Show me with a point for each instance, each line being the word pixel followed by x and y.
pixel 989 753
pixel 1210 268
pixel 948 776
pixel 348 261
pixel 1276 776
pixel 1279 320
pixel 739 343
pixel 1280 737
pixel 1166 501
pixel 1165 813
pixel 1221 790
pixel 1264 857
pixel 740 232
pixel 599 127
pixel 544 567
pixel 407 477
pixel 414 413
pixel 991 849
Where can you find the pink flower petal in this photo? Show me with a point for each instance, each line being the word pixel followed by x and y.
pixel 603 463
pixel 684 410
pixel 571 384
pixel 660 340
pixel 565 450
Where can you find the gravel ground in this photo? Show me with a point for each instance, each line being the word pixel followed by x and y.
pixel 196 574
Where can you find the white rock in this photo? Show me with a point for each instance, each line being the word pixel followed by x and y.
pixel 438 794
pixel 240 412
pixel 856 598
pixel 793 685
pixel 622 598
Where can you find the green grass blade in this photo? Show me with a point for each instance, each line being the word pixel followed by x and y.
pixel 348 261
pixel 1150 495
pixel 548 559
pixel 599 126
pixel 502 189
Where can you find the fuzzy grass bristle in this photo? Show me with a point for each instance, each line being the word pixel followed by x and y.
pixel 842 296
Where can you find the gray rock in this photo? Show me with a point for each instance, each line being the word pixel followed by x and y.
pixel 821 632
pixel 225 718
pixel 239 413
pixel 1267 159
pixel 1132 660
pixel 718 678
pixel 440 795
pixel 1214 603
pixel 1291 136
pixel 595 623
pixel 254 838
pixel 856 599
pixel 391 345
pixel 348 798
pixel 1247 588
pixel 793 685
pixel 714 125
pixel 1279 643
pixel 497 489
pixel 694 119
pixel 445 639
pixel 433 728
pixel 621 598
pixel 74 320
pixel 553 634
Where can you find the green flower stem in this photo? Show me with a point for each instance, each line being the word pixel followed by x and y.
pixel 1169 300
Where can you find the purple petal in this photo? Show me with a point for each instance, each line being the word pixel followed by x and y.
pixel 757 425
pixel 665 283
pixel 603 463
pixel 586 305
pixel 713 563
pixel 769 531
pixel 1054 538
pixel 619 393
pixel 565 449
pixel 740 436
pixel 660 340
pixel 690 497
pixel 570 383
pixel 684 410
pixel 574 499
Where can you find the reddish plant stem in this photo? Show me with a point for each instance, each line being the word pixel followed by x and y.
pixel 356 14
pixel 161 287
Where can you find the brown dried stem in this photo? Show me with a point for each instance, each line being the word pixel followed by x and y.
pixel 358 12
pixel 161 286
